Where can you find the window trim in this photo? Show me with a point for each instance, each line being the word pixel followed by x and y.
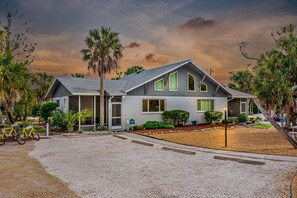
pixel 241 107
pixel 205 85
pixel 188 82
pixel 156 83
pixel 209 105
pixel 176 81
pixel 148 106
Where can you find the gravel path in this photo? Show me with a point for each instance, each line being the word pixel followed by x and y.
pixel 105 166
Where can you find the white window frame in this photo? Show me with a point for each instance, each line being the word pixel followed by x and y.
pixel 201 104
pixel 156 83
pixel 205 85
pixel 188 82
pixel 148 105
pixel 176 81
pixel 241 107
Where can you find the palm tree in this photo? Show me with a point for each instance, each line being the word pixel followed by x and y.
pixel 103 51
pixel 241 80
pixel 13 83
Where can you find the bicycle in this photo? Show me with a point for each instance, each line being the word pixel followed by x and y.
pixel 27 132
pixel 10 132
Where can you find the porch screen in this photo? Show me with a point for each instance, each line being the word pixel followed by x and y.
pixel 173 82
pixel 153 105
pixel 205 105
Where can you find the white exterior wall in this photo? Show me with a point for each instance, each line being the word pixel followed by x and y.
pixel 64 103
pixel 132 108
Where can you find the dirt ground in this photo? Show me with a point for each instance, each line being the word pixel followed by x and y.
pixel 23 176
pixel 266 141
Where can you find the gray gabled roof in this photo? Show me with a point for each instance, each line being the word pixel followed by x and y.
pixel 88 86
pixel 239 94
pixel 140 78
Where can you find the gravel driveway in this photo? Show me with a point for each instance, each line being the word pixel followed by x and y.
pixel 105 166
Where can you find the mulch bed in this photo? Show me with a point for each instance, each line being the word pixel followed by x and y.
pixel 178 129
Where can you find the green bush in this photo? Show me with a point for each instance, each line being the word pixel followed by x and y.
pixel 35 110
pixel 57 121
pixel 139 127
pixel 242 117
pixel 157 125
pixel 212 116
pixel 46 110
pixel 101 128
pixel 175 117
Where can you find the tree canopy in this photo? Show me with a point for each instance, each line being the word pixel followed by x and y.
pixel 275 73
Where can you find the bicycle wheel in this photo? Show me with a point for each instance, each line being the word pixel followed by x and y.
pixel 21 138
pixel 35 135
pixel 2 139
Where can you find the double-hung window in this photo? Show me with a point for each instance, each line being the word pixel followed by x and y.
pixel 153 105
pixel 205 105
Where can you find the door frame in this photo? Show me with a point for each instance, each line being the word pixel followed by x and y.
pixel 111 117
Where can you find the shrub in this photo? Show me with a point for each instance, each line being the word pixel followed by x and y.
pixel 258 119
pixel 242 117
pixel 57 121
pixel 175 117
pixel 139 127
pixel 157 125
pixel 46 110
pixel 101 128
pixel 212 116
pixel 35 110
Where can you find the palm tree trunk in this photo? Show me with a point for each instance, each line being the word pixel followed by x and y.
pixel 102 99
pixel 276 126
pixel 1 116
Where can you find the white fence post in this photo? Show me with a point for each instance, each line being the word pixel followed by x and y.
pixel 47 129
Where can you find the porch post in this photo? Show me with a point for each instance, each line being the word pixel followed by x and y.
pixel 79 112
pixel 94 112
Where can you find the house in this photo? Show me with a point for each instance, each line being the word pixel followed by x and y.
pixel 144 95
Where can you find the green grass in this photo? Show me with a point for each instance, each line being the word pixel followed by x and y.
pixel 262 126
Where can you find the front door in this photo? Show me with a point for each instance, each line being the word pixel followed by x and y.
pixel 116 115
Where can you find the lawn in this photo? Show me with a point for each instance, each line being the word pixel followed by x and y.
pixel 263 126
pixel 265 141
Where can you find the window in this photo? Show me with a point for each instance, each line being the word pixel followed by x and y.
pixel 173 82
pixel 242 107
pixel 205 105
pixel 159 85
pixel 191 82
pixel 153 105
pixel 203 87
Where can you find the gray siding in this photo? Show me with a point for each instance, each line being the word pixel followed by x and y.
pixel 234 106
pixel 61 91
pixel 148 89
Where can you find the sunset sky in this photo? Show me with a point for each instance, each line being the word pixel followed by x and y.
pixel 154 33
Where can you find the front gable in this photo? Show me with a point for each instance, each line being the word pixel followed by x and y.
pixel 189 69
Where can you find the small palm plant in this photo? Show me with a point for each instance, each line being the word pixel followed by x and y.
pixel 72 117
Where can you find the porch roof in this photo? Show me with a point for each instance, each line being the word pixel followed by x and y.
pixel 87 86
pixel 239 94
